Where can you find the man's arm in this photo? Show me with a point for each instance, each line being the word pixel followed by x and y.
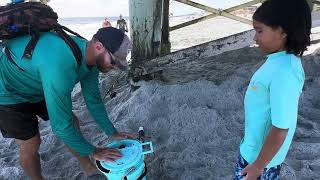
pixel 91 93
pixel 57 85
pixel 126 26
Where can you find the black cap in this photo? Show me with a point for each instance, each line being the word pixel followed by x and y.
pixel 116 42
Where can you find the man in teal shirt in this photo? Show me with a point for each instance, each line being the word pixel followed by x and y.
pixel 42 86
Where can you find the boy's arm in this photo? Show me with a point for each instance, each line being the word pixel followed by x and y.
pixel 273 143
pixel 271 146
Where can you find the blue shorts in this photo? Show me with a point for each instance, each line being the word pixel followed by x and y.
pixel 268 174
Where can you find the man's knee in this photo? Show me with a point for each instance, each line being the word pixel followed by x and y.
pixel 29 146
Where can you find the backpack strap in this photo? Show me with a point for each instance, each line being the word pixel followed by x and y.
pixel 35 35
pixel 32 44
pixel 74 47
pixel 72 32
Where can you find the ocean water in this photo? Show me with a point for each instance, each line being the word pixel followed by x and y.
pixel 87 26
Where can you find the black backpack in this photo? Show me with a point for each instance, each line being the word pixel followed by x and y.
pixel 32 18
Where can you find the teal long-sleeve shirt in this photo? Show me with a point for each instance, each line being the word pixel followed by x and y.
pixel 51 74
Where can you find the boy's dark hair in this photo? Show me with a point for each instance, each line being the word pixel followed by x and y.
pixel 293 16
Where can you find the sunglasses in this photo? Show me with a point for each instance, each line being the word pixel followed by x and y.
pixel 113 59
pixel 116 62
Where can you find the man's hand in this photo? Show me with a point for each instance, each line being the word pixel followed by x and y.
pixel 252 172
pixel 106 154
pixel 123 135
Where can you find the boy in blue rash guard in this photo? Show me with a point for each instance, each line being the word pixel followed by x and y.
pixel 271 101
pixel 42 86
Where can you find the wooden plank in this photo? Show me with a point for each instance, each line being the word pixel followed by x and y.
pixel 158 66
pixel 241 6
pixel 196 62
pixel 229 10
pixel 166 45
pixel 219 12
pixel 194 21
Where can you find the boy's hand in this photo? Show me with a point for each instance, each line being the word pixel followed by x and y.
pixel 252 172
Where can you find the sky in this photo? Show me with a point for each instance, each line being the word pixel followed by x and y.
pixel 104 8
